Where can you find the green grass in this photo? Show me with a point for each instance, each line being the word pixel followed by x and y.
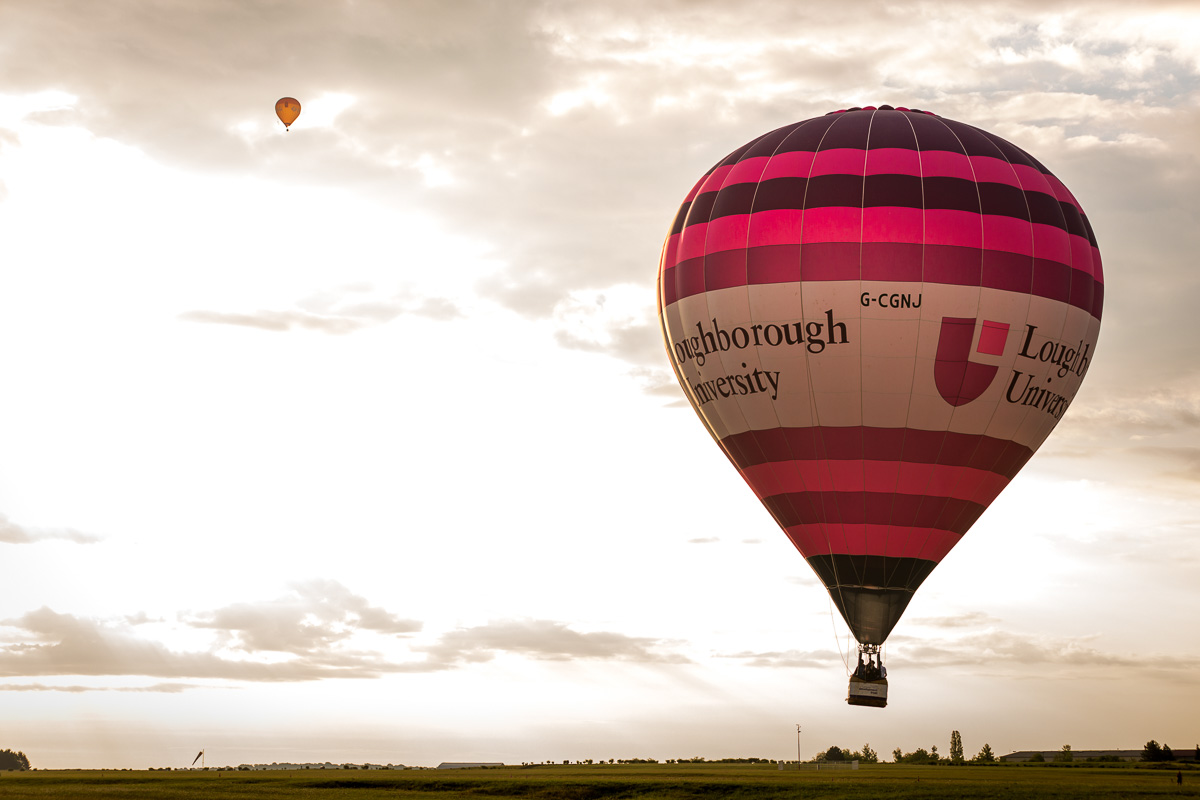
pixel 612 782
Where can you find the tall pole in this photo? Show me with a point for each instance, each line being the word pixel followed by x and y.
pixel 798 759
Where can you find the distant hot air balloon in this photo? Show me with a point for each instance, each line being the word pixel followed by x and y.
pixel 287 109
pixel 879 315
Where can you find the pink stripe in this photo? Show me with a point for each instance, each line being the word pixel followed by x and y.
pixel 839 161
pixel 726 233
pixel 872 540
pixel 776 227
pixel 715 179
pixel 1008 234
pixel 888 477
pixel 994 170
pixel 1081 255
pixel 834 224
pixel 795 164
pixel 1032 180
pixel 695 190
pixel 748 171
pixel 879 224
pixel 893 161
pixel 943 164
pixel 893 224
pixel 670 255
pixel 959 228
pixel 691 242
pixel 1051 242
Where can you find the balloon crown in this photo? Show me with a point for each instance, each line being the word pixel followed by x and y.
pixel 881 108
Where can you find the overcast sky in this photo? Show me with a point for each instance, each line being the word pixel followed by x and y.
pixel 358 442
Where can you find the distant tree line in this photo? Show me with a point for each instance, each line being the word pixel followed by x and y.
pixel 835 753
pixel 1153 751
pixel 13 761
pixel 957 756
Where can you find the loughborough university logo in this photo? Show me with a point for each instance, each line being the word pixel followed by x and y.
pixel 958 379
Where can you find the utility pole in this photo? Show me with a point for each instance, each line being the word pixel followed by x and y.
pixel 798 759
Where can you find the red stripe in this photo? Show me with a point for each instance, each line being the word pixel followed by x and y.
pixel 964 483
pixel 892 541
pixel 873 508
pixel 909 445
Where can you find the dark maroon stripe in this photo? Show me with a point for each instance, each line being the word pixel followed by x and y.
pixel 1000 456
pixel 886 129
pixel 891 261
pixel 873 508
pixel 680 218
pixel 725 269
pixel 888 190
pixel 849 131
pixel 878 129
pixel 1091 235
pixel 768 144
pixel 701 208
pixel 806 138
pixel 838 570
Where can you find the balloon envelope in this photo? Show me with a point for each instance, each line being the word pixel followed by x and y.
pixel 287 109
pixel 879 315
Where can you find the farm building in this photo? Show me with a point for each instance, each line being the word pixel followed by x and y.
pixel 1182 754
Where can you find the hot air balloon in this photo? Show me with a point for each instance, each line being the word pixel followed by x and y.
pixel 287 109
pixel 879 315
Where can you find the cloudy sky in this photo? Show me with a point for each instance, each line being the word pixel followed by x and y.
pixel 358 442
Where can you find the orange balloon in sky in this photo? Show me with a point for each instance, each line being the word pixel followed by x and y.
pixel 287 109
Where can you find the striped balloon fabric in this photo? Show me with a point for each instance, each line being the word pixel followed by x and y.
pixel 879 314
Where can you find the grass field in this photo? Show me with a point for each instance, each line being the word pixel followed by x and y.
pixel 605 782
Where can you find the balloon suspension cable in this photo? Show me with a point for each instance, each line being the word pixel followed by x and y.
pixel 870 669
pixel 843 652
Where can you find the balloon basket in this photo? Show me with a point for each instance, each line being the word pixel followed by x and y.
pixel 871 693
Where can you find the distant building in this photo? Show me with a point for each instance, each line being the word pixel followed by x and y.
pixel 321 765
pixel 468 764
pixel 1188 754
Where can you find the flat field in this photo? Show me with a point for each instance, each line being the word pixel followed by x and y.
pixel 611 782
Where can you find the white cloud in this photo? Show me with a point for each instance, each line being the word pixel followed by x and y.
pixel 12 533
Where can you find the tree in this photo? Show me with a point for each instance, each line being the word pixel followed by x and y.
pixel 1038 757
pixel 898 756
pixel 1152 751
pixel 1167 754
pixel 869 756
pixel 13 761
pixel 918 756
pixel 1065 754
pixel 835 754
pixel 956 748
pixel 985 755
